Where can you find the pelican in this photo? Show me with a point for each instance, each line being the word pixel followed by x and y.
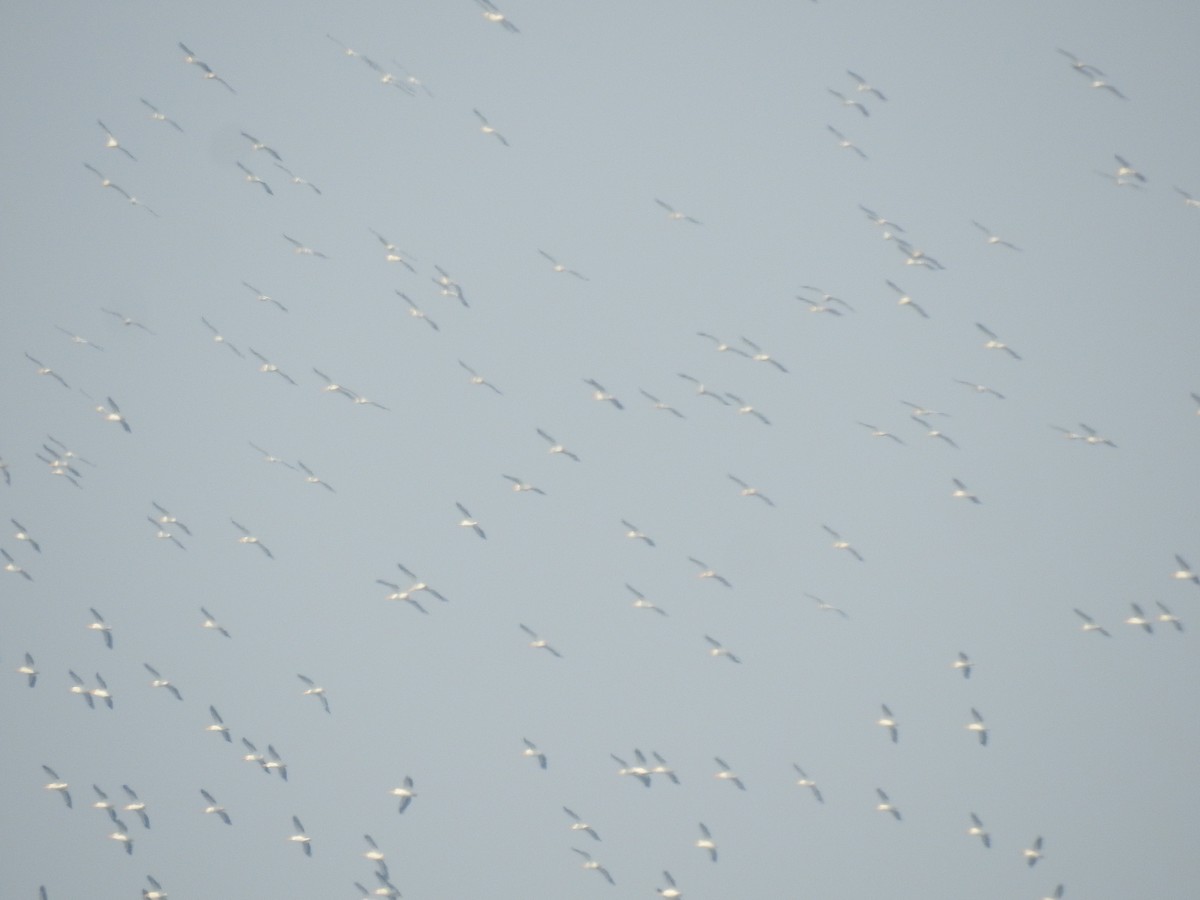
pixel 250 178
pixel 392 253
pixel 57 784
pixel 905 299
pixel 660 405
pixel 701 390
pixel 748 491
pixel 1166 617
pixel 718 649
pixel 849 101
pixel 1185 572
pixel 1079 65
pixel 300 837
pixel 122 835
pixel 331 386
pixel 1089 624
pixel 165 518
pixel 156 892
pixel 301 250
pixel 863 86
pixel 589 863
pixel 313 690
pixel 211 623
pixel 878 432
pixel 981 388
pixel 248 538
pixel 487 128
pixel 28 670
pixel 555 447
pixel 994 343
pixel 1033 853
pixel 22 534
pixel 417 313
pixel 112 413
pixel 727 774
pixel 158 116
pixel 960 491
pixel 293 178
pixel 531 751
pixel 102 692
pixel 135 805
pixel 106 182
pixel 310 478
pixel 977 726
pixel 10 565
pixel 218 725
pixel 273 762
pixel 635 534
pixel 675 215
pixel 720 345
pixel 78 687
pixel 556 266
pixel 468 521
pixel 256 144
pixel 160 682
pixel 757 355
pixel 887 225
pixel 745 409
pixel 806 782
pixel 600 394
pixel 932 432
pixel 449 287
pixel 219 338
pixel 539 643
pixel 478 379
pixel 963 664
pixel 103 803
pixel 671 892
pixel 977 830
pixel 640 601
pixel 492 14
pixel 1139 619
pixel 706 843
pixel 520 486
pixel 254 756
pixel 640 772
pixel 915 257
pixel 405 793
pixel 111 142
pixel 663 768
pixel 577 824
pixel 101 626
pixel 845 143
pixel 373 853
pixel 43 369
pixel 707 572
pixel 1090 436
pixel 888 721
pixel 992 239
pixel 1101 84
pixel 885 805
pixel 1125 170
pixel 416 586
pixel 1188 200
pixel 840 544
pixel 263 298
pixel 827 607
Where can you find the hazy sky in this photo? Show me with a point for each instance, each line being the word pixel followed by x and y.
pixel 723 115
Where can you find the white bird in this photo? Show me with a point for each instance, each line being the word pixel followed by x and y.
pixel 1166 617
pixel 206 71
pixel 10 565
pixel 448 286
pixel 267 457
pixel 1101 84
pixel 981 388
pixel 417 313
pixel 701 390
pixel 392 253
pixel 640 601
pixel 960 491
pixel 963 664
pixel 600 394
pixel 932 432
pixel 878 432
pixel 78 339
pixel 556 266
pixel 660 405
pixel 102 692
pixel 531 751
pixel 273 762
pixel 310 478
pixel 160 682
pixel 28 670
pixel 555 447
pixel 725 773
pixel 748 491
pixel 261 298
pixel 992 239
pixel 1056 895
pixel 539 643
pixel 1139 620
pixel 248 538
pixel 1185 572
pixel 977 830
pixel 270 368
pixel 887 225
pixel 845 143
pixel 78 687
pixel 888 721
pixel 416 587
pixel 1188 199
pixel 256 144
pixel 487 128
pixel 405 793
pixel 122 835
pixel 718 649
pixel 827 607
pixel 640 772
pixel 1079 65
pixel 849 101
pixel 101 626
pixel 478 379
pixel 675 215
pixel 1090 436
pixel 135 805
pixel 300 837
pixel 721 346
pixel 218 725
pixel 885 805
pixel 156 892
pixel 214 808
pixel 492 14
pixel 671 891
pixel 312 689
pixel 976 726
pixel 915 257
pixel 1033 853
pixel 806 782
pixel 839 543
pixel 57 784
pixel 591 864
pixel 22 534
pixel 293 178
pixel 758 355
pixel 707 571
pixel 994 343
pixel 301 250
pixel 1125 170
pixel 577 824
pixel 159 116
pixel 43 369
pixel 746 409
pixel 250 178
pixel 520 486
pixel 111 142
pixel 112 413
pixel 468 521
pixel 662 768
pixel 905 299
pixel 863 86
pixel 1089 624
pixel 165 518
pixel 373 853
pixel 635 534
pixel 706 843
pixel 106 182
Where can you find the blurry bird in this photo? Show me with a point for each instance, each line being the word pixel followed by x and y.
pixel 994 343
pixel 449 287
pixel 841 544
pixel 301 250
pixel 635 534
pixel 556 266
pixel 160 682
pixel 960 491
pixel 29 670
pixel 660 405
pixel 963 664
pixel 135 805
pixel 992 239
pixel 718 649
pixel 1100 84
pixel 468 521
pixel 806 782
pixel 211 623
pixel 600 394
pixel 885 805
pixel 313 690
pixel 487 128
pixel 57 784
pixel 392 253
pixel 845 143
pixel 293 178
pixel 101 626
pixel 478 379
pixel 981 388
pixel 22 534
pixel 1185 572
pixel 270 368
pixel 878 432
pixel 888 721
pixel 300 837
pixel 555 447
pixel 78 339
pixel 720 345
pixel 748 491
pixel 746 409
pixel 849 101
pixel 531 751
pixel 218 725
pixel 708 572
pixel 311 478
pixel 675 215
pixel 248 538
pixel 977 727
pixel 256 144
pixel 539 643
pixel 671 891
pixel 43 369
pixel 1139 619
pixel 1089 624
pixel 863 86
pixel 640 601
pixel 905 299
pixel 261 298
pixel 932 432
pixel 251 178
pixel 492 14
pixel 111 142
pixel 577 824
pixel 158 116
pixel 1079 65
pixel 701 390
pixel 520 486
pixel 727 774
pixel 757 355
pixel 827 607
pixel 417 313
pixel 156 892
pixel 977 830
pixel 405 793
pixel 1033 853
pixel 589 863
pixel 706 843
pixel 1166 617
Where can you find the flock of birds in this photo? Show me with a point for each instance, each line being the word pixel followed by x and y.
pixel 23 549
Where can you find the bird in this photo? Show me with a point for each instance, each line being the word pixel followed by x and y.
pixel 1101 84
pixel 256 144
pixel 976 726
pixel 160 682
pixel 1079 65
pixel 994 343
pixel 577 824
pixel 293 178
pixel 449 287
pixel 849 101
pixel 156 892
pixel 122 835
pixel 404 793
pixel 112 413
pixel 721 346
pixel 28 670
pixel 539 643
pixel 706 843
pixel 273 762
pixel 600 394
pixel 977 830
pixel 675 215
pixel 43 369
pixel 556 266
pixel 701 390
pixel 211 623
pixel 313 690
pixel 640 601
pixel 10 565
pixel 636 534
pixel 478 379
pixel 841 544
pixel 905 299
pixel 261 298
pixel 1138 619
pixel 960 491
pixel 888 721
pixel 915 257
pixel 671 891
pixel 718 649
pixel 520 486
pixel 845 143
pixel 206 71
pixel 1090 436
pixel 250 178
pixel 78 687
pixel 863 86
pixel 101 626
pixel 556 448
pixel 708 572
pixel 79 339
pixel 492 14
pixel 219 338
pixel 748 491
pixel 1033 852
pixel 102 692
pixel 1125 170
pixel 248 538
pixel 218 725
pixel 1057 894
pixel 992 239
pixel 468 521
pixel 487 128
pixel 111 142
pixel 214 808
pixel 57 784
pixel 878 432
pixel 373 853
pixel 1185 572
pixel 963 664
pixel 159 116
pixel 758 355
pixel 106 182
pixel 300 837
pixel 805 781
pixel 746 409
pixel 727 774
pixel 981 388
pixel 589 863
pixel 1089 624
pixel 163 535
pixel 416 587
pixel 392 253
pixel 660 405
pixel 827 607
pixel 417 313
pixel 932 432
pixel 662 768
pixel 301 250
pixel 531 751
pixel 885 805
pixel 640 772
pixel 135 805
pixel 269 368
pixel 310 478
pixel 887 225
pixel 1166 617
pixel 1188 200
pixel 165 518
pixel 22 534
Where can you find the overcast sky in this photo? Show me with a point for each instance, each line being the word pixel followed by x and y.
pixel 723 115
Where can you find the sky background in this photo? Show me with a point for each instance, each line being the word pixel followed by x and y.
pixel 723 115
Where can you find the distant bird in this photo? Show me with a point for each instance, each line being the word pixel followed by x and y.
pixel 492 14
pixel 156 892
pixel 556 266
pixel 662 768
pixel 845 143
pixel 310 478
pixel 449 287
pixel 906 300
pixel 1101 84
pixel 748 491
pixel 468 521
pixel 887 225
pixel 718 649
pixel 80 689
pixel 163 535
pixel 849 101
pixel 701 390
pixel 878 432
pixel 963 664
pixel 404 793
pixel 300 837
pixel 43 369
pixel 746 409
pixel 758 355
pixel 267 457
pixel 487 128
pixel 251 178
pixel 707 572
pixel 960 491
pixel 932 432
pixel 640 601
pixel 102 692
pixel 112 413
pixel 1033 853
pixel 312 689
pixel 1125 170
pixel 863 86
pixel 981 388
pixel 1079 65
pixel 577 824
pixel 1166 617
pixel 539 643
pixel 127 321
pixel 520 486
pixel 531 751
pixel 915 257
pixel 22 534
pixel 218 725
pixel 159 116
pixel 1185 572
pixel 261 298
pixel 885 805
pixel 706 843
pixel 111 142
pixel 994 343
pixel 839 543
pixel 671 891
pixel 977 830
pixel 1057 894
pixel 165 518
pixel 601 395
pixel 248 538
pixel 640 771
pixel 720 346
pixel 417 313
pixel 675 215
pixel 77 339
pixel 977 727
pixel 1139 620
pixel 98 624
pixel 135 805
pixel 555 447
pixel 1089 624
pixel 806 782
pixel 106 182
pixel 660 405
pixel 1188 200
pixel 57 784
pixel 992 239
pixel 256 145
pixel 160 682
pixel 270 368
pixel 478 379
pixel 122 836
pixel 392 253
pixel 888 721
pixel 725 773
pixel 29 670
pixel 206 71
pixel 827 607
pixel 301 250
pixel 635 534
pixel 591 864
pixel 293 178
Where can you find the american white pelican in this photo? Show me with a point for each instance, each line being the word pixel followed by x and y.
pixel 707 571
pixel 577 824
pixel 759 355
pixel 492 14
pixel 849 101
pixel 748 491
pixel 718 649
pixel 312 689
pixel 725 773
pixel 675 215
pixel 593 865
pixel 218 725
pixel 57 784
pixel 43 369
pixel 885 805
pixel 392 253
pixel 963 664
pixel 261 298
pixel 293 178
pixel 962 493
pixel 248 538
pixel 311 478
pixel 839 543
pixel 994 343
pixel 640 772
pixel 214 808
pixel 300 837
pixel 977 830
pixel 539 643
pixel 981 388
pixel 416 312
pixel 468 521
pixel 1033 853
pixel 487 128
pixel 250 178
pixel 976 726
pixel 671 891
pixel 404 793
pixel 662 767
pixel 135 805
pixel 888 721
pixel 721 346
pixel 302 250
pixel 256 145
pixel 101 626
pixel 660 405
pixel 519 486
pixel 160 682
pixel 640 601
pixel 1139 620
pixel 636 534
pixel 706 843
pixel 845 143
pixel 1185 572
pixel 600 394
pixel 905 299
pixel 269 368
pixel 111 142
pixel 746 409
pixel 556 447
pixel 28 670
pixel 531 751
pixel 1089 624
pixel 556 266
pixel 991 238
pixel 159 116
pixel 862 86
pixel 1166 617
pixel 10 565
pixel 878 432
pixel 478 379
pixel 212 623
pixel 932 432
pixel 806 782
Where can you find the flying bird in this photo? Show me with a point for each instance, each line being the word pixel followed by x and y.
pixel 635 534
pixel 992 239
pixel 863 86
pixel 806 782
pixel 111 142
pixel 640 601
pixel 675 215
pixel 478 379
pixel 839 543
pixel 417 313
pixel 888 721
pixel 600 394
pixel 160 682
pixel 706 843
pixel 718 649
pixel 589 863
pixel 101 626
pixel 1089 624
pixel 539 643
pixel 849 101
pixel 159 116
pixel 977 830
pixel 977 727
pixel 994 343
pixel 312 689
pixel 725 773
pixel 556 448
pixel 487 128
pixel 577 824
pixel 248 538
pixel 748 491
pixel 556 266
pixel 250 178
pixel 492 14
pixel 531 751
pixel 43 369
pixel 708 572
pixel 468 521
pixel 845 143
pixel 660 405
pixel 404 793
pixel 261 298
pixel 885 805
pixel 960 491
pixel 300 837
